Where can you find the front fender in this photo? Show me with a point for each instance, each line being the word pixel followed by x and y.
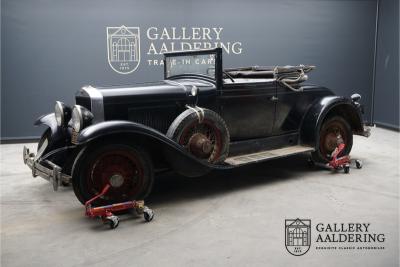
pixel 175 155
pixel 59 149
pixel 59 136
pixel 48 120
pixel 316 114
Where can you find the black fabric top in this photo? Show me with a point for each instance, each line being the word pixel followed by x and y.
pixel 267 72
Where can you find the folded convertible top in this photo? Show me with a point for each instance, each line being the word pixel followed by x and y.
pixel 286 75
pixel 267 72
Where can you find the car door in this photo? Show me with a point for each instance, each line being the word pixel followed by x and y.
pixel 248 109
pixel 290 109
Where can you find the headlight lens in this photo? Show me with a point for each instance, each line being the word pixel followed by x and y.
pixel 76 119
pixel 81 117
pixel 62 113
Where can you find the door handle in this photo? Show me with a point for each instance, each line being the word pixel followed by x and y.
pixel 274 99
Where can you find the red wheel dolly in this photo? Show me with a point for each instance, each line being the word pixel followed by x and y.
pixel 106 212
pixel 338 163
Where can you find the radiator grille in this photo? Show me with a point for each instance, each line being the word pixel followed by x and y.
pixel 159 120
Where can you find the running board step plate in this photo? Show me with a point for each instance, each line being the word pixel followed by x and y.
pixel 267 155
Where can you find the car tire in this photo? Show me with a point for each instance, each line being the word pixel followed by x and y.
pixel 128 169
pixel 327 138
pixel 203 132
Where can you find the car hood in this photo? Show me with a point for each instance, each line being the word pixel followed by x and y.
pixel 115 102
pixel 162 90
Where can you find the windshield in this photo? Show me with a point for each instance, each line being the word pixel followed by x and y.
pixel 203 64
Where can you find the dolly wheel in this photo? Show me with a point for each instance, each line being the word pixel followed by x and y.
pixel 112 221
pixel 139 211
pixel 346 168
pixel 148 214
pixel 359 164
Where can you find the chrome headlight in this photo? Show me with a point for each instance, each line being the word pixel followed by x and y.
pixel 62 113
pixel 81 117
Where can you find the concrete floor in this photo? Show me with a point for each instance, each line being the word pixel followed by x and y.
pixel 230 218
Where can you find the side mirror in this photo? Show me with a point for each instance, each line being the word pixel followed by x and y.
pixel 355 97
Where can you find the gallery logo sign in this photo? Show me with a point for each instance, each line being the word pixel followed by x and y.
pixel 124 44
pixel 123 48
pixel 297 236
pixel 356 236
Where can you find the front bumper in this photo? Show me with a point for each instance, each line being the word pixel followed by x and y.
pixel 52 174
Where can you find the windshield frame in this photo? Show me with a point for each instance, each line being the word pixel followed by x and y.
pixel 218 63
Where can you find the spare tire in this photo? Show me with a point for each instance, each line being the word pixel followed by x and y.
pixel 203 133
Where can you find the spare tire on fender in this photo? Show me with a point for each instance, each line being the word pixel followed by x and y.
pixel 203 133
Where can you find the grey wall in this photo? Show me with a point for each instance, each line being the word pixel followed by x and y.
pixel 51 48
pixel 386 101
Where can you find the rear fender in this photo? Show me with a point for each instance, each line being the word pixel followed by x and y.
pixel 178 158
pixel 325 107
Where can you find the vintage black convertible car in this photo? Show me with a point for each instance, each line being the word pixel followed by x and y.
pixel 199 118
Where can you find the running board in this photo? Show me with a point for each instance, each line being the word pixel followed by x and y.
pixel 267 155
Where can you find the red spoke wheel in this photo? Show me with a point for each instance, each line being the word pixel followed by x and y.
pixel 127 169
pixel 206 138
pixel 334 130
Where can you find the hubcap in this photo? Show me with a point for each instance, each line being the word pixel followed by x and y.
pixel 331 141
pixel 203 140
pixel 116 180
pixel 333 135
pixel 200 145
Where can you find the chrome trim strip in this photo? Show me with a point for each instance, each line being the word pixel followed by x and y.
pixel 96 102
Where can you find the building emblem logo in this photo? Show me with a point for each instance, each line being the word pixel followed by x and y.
pixel 123 48
pixel 297 236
